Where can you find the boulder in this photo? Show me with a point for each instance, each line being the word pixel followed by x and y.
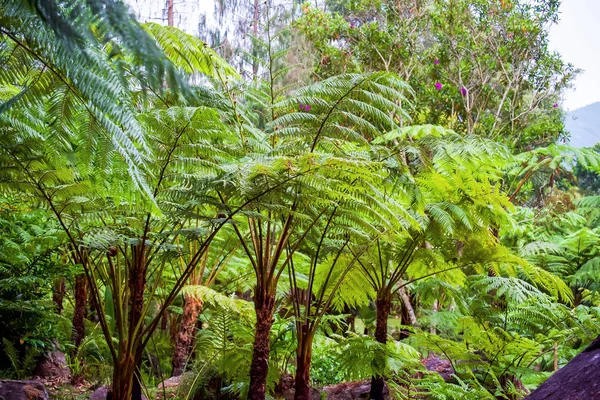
pixel 102 392
pixel 22 390
pixel 284 389
pixel 52 365
pixel 442 367
pixel 578 380
pixel 352 391
pixel 176 386
pixel 172 382
pixel 286 382
pixel 169 388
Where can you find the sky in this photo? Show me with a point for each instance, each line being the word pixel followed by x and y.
pixel 576 37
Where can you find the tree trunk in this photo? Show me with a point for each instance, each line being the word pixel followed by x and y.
pixel 383 305
pixel 123 376
pixel 408 306
pixel 187 333
pixel 137 286
pixel 264 305
pixel 136 388
pixel 170 12
pixel 79 312
pixel 255 33
pixel 303 359
pixel 58 294
pixel 164 320
pixel 435 308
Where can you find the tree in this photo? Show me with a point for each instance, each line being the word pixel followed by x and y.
pixel 477 67
pixel 116 252
pixel 200 280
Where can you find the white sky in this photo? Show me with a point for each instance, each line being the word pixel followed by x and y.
pixel 576 37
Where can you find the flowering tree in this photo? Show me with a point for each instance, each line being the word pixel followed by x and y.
pixel 478 66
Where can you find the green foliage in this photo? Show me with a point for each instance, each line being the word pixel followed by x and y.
pixel 136 156
pixel 30 264
pixel 476 66
pixel 21 366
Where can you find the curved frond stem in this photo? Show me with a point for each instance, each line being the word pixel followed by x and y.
pixel 332 109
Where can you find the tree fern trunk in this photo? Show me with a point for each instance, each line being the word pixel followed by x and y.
pixel 137 286
pixel 80 309
pixel 58 294
pixel 164 320
pixel 383 305
pixel 186 335
pixel 302 379
pixel 123 375
pixel 264 305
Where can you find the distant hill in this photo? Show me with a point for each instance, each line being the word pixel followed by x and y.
pixel 584 125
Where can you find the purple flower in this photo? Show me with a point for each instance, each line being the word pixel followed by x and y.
pixel 436 62
pixel 351 25
pixel 307 108
pixel 301 107
pixel 463 91
pixel 438 86
pixel 555 105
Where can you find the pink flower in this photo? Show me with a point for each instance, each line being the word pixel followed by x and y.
pixel 555 105
pixel 438 86
pixel 351 25
pixel 307 108
pixel 463 91
pixel 436 62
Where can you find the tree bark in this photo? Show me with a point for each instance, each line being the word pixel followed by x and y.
pixel 126 383
pixel 164 320
pixel 264 305
pixel 302 379
pixel 255 32
pixel 122 381
pixel 80 309
pixel 58 294
pixel 187 333
pixel 383 306
pixel 435 308
pixel 408 306
pixel 170 12
pixel 137 286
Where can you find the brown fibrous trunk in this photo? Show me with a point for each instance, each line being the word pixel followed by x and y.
pixel 184 345
pixel 123 378
pixel 126 383
pixel 264 305
pixel 81 286
pixel 58 294
pixel 383 305
pixel 303 359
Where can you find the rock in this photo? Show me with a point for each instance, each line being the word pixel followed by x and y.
pixel 284 389
pixel 172 382
pixel 52 365
pixel 175 386
pixel 578 380
pixel 102 392
pixel 22 390
pixel 286 382
pixel 439 365
pixel 290 393
pixel 352 391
